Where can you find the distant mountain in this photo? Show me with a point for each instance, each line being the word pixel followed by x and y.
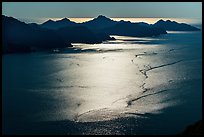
pixel 81 34
pixel 143 24
pixel 21 37
pixel 106 26
pixel 126 28
pixel 199 26
pixel 97 23
pixel 100 22
pixel 50 24
pixel 174 26
pixel 34 25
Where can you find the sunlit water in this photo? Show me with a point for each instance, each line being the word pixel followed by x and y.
pixel 127 86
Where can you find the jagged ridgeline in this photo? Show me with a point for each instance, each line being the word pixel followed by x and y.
pixel 21 37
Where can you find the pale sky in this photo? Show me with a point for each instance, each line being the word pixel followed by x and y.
pixel 37 10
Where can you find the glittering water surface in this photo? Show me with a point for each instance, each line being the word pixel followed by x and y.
pixel 127 86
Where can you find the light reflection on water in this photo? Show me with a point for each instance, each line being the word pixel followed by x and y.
pixel 99 85
pixel 116 80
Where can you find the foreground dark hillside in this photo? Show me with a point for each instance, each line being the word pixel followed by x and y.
pixel 21 37
pixel 194 129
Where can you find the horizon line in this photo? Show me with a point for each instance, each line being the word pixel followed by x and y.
pixel 107 17
pixel 41 20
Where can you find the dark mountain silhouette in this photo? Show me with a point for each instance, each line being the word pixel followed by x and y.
pixel 97 23
pixel 126 28
pixel 143 24
pixel 100 22
pixel 106 26
pixel 50 24
pixel 34 25
pixel 21 37
pixel 81 34
pixel 174 26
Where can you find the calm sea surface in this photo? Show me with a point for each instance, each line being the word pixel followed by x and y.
pixel 128 86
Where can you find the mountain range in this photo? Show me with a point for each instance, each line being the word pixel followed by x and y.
pixel 50 24
pixel 21 37
pixel 174 26
pixel 102 23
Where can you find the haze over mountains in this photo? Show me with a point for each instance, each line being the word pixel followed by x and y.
pixel 21 37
